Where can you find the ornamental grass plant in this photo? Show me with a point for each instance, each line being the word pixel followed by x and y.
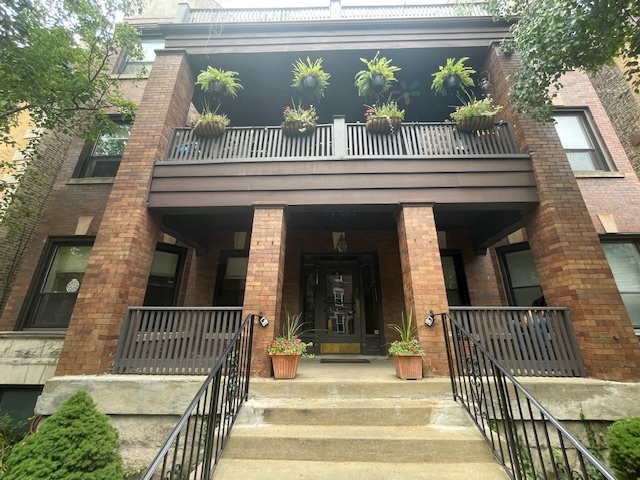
pixel 289 342
pixel 408 343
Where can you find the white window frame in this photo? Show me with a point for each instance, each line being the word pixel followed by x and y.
pixel 601 160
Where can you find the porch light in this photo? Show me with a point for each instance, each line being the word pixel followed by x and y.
pixel 341 244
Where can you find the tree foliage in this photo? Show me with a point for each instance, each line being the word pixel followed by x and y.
pixel 55 61
pixel 556 36
pixel 75 443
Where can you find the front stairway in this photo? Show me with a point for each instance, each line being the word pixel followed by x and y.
pixel 354 421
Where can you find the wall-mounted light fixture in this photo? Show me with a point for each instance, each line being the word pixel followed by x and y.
pixel 485 82
pixel 430 319
pixel 339 242
pixel 263 320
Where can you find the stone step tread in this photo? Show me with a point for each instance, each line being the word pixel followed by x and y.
pixel 373 432
pixel 347 403
pixel 243 469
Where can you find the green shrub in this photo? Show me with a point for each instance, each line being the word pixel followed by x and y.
pixel 75 443
pixel 624 448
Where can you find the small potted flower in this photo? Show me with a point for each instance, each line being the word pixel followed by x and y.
pixel 383 117
pixel 310 78
pixel 452 76
pixel 209 124
pixel 286 350
pixel 298 120
pixel 476 114
pixel 407 352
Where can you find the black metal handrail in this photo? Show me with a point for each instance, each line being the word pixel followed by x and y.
pixel 193 448
pixel 525 438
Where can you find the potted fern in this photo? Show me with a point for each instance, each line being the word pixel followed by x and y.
pixel 310 78
pixel 218 82
pixel 453 76
pixel 376 78
pixel 407 352
pixel 286 350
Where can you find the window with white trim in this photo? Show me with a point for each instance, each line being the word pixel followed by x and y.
pixel 624 261
pixel 579 141
pixel 134 66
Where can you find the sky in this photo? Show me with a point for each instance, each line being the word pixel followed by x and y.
pixel 317 3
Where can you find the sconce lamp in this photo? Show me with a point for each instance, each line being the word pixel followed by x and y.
pixel 341 244
pixel 485 82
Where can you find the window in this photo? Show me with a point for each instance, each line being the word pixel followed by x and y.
pixel 131 66
pixel 454 279
pixel 232 277
pixel 624 260
pixel 17 405
pixel 520 274
pixel 102 158
pixel 164 279
pixel 579 141
pixel 56 287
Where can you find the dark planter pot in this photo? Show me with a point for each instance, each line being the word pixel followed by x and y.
pixel 209 129
pixel 383 125
pixel 377 82
pixel 473 124
pixel 309 83
pixel 216 88
pixel 451 83
pixel 297 128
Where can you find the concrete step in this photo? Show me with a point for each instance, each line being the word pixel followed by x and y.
pixel 322 470
pixel 333 443
pixel 352 411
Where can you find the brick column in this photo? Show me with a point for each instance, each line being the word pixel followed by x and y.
pixel 265 274
pixel 118 269
pixel 571 263
pixel 423 280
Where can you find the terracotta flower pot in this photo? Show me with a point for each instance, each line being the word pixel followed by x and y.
pixel 383 124
pixel 209 129
pixel 297 128
pixel 472 124
pixel 285 366
pixel 408 367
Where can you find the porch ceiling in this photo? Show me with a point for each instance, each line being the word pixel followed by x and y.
pixel 200 229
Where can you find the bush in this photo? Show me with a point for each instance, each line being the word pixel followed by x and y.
pixel 624 448
pixel 75 443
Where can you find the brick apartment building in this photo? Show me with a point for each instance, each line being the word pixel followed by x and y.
pixel 474 220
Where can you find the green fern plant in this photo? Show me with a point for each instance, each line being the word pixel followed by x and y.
pixel 376 66
pixel 226 80
pixel 302 70
pixel 453 68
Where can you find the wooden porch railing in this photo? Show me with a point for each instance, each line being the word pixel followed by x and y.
pixel 341 140
pixel 533 342
pixel 174 341
pixel 334 11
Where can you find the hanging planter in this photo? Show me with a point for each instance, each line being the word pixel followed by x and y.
pixel 377 82
pixel 382 125
pixel 452 83
pixel 210 124
pixel 309 78
pixel 309 83
pixel 297 128
pixel 473 124
pixel 453 76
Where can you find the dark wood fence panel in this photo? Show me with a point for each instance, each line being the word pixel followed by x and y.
pixel 174 341
pixel 534 342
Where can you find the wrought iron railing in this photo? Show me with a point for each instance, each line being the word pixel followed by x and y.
pixel 194 446
pixel 334 11
pixel 174 340
pixel 525 438
pixel 341 140
pixel 534 342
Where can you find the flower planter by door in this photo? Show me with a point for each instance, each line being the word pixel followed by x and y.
pixel 472 124
pixel 285 366
pixel 297 128
pixel 209 129
pixel 383 124
pixel 408 367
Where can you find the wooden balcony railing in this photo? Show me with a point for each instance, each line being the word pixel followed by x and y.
pixel 334 11
pixel 339 141
pixel 532 342
pixel 174 341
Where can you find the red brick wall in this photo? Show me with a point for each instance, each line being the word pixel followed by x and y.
pixel 118 268
pixel 265 276
pixel 422 280
pixel 571 263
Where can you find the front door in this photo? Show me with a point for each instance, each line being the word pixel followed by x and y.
pixel 341 307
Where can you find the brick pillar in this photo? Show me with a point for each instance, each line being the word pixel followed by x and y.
pixel 265 274
pixel 118 269
pixel 571 263
pixel 423 280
